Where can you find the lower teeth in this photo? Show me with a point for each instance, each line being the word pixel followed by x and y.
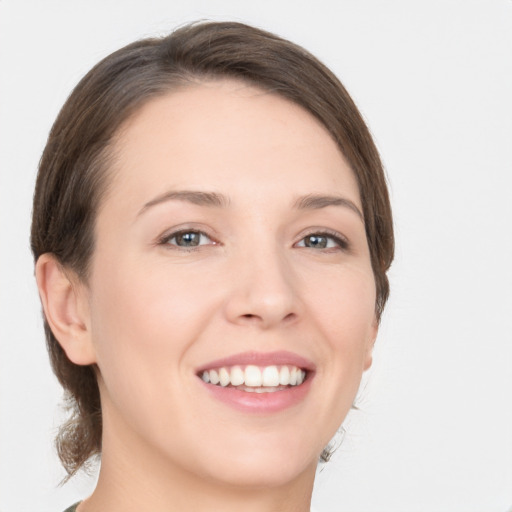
pixel 269 389
pixel 262 389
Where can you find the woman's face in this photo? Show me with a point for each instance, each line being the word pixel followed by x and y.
pixel 230 242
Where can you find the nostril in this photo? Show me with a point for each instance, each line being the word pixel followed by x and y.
pixel 290 316
pixel 251 317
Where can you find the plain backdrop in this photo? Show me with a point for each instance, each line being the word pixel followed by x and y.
pixel 434 81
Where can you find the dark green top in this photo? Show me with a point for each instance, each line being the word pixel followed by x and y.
pixel 72 508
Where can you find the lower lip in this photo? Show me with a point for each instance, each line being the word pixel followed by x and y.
pixel 274 401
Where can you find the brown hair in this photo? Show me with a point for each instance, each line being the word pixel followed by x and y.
pixel 73 170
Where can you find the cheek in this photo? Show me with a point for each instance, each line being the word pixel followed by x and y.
pixel 345 315
pixel 143 321
pixel 135 297
pixel 345 308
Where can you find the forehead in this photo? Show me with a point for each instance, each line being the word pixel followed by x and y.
pixel 227 136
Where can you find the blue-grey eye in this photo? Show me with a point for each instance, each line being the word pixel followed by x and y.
pixel 188 239
pixel 318 242
pixel 321 241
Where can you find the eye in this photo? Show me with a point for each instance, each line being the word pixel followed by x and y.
pixel 186 239
pixel 325 240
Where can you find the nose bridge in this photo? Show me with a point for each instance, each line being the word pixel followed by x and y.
pixel 263 290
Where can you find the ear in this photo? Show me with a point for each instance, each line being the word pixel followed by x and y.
pixel 66 309
pixel 374 329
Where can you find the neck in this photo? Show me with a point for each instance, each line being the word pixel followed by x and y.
pixel 140 478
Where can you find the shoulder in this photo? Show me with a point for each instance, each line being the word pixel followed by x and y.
pixel 72 508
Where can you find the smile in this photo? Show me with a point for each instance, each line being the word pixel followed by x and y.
pixel 261 383
pixel 252 378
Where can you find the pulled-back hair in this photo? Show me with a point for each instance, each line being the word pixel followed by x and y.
pixel 73 171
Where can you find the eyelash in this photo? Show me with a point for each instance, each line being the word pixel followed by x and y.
pixel 339 240
pixel 165 239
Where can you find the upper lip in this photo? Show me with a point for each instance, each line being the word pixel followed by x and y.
pixel 280 357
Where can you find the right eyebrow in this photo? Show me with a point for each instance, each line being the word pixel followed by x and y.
pixel 199 198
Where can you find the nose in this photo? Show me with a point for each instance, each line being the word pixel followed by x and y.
pixel 263 291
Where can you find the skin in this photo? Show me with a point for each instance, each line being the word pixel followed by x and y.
pixel 153 312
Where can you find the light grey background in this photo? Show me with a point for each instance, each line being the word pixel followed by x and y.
pixel 434 81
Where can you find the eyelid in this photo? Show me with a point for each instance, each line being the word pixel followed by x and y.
pixel 340 239
pixel 168 235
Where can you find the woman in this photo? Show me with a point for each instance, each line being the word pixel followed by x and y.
pixel 212 232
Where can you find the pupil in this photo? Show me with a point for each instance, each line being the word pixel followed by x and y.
pixel 316 241
pixel 188 239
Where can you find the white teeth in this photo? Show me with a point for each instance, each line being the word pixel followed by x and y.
pixel 223 377
pixel 214 377
pixel 237 376
pixel 270 376
pixel 254 378
pixel 284 376
pixel 259 390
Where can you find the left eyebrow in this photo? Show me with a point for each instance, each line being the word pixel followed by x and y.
pixel 317 201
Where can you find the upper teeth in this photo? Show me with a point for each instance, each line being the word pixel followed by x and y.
pixel 255 376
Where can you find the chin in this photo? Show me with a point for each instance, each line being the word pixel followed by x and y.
pixel 247 474
pixel 262 464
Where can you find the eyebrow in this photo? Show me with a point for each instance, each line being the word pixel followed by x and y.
pixel 215 200
pixel 211 199
pixel 317 201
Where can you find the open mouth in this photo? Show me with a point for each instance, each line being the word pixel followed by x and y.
pixel 259 382
pixel 256 379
